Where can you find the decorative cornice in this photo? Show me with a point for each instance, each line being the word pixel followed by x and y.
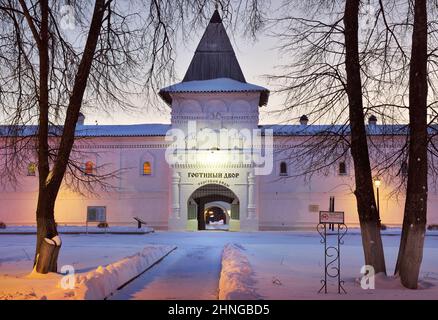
pixel 122 146
pixel 234 118
pixel 211 166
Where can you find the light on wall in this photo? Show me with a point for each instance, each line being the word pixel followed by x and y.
pixel 377 182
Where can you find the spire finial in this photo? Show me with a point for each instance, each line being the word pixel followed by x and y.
pixel 216 17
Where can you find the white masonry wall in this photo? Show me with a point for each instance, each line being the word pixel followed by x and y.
pixel 287 202
pixel 282 202
pixel 132 195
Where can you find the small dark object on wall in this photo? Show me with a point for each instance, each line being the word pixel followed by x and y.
pixel 102 225
pixel 139 222
pixel 2 225
pixel 432 227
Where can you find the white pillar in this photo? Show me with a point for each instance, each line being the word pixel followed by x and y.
pixel 175 195
pixel 251 196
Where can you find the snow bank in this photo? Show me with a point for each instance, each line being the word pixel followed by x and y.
pixel 104 281
pixel 80 229
pixel 217 226
pixel 94 285
pixel 236 282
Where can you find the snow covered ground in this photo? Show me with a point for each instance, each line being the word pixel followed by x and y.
pixel 101 264
pixel 285 265
pixel 191 272
pixel 217 226
pixel 104 281
pixel 79 229
pixel 293 269
pixel 236 281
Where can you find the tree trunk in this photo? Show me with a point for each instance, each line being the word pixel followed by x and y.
pixel 50 182
pixel 414 222
pixel 366 203
pixel 46 226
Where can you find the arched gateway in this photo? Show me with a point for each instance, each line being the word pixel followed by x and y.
pixel 209 206
pixel 214 119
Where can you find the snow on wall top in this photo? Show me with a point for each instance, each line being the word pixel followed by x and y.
pixel 214 85
pixel 307 130
pixel 129 130
pixel 157 129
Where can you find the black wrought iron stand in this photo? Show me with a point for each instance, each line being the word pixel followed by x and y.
pixel 332 255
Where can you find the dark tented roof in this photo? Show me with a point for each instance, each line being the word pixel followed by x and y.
pixel 214 58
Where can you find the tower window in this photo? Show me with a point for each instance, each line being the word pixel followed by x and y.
pixel 89 168
pixel 342 170
pixel 31 169
pixel 147 168
pixel 283 168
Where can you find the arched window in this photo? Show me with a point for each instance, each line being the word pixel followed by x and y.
pixel 147 168
pixel 283 168
pixel 146 165
pixel 342 170
pixel 31 169
pixel 89 168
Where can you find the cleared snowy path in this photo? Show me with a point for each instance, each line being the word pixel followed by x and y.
pixel 187 273
pixel 286 265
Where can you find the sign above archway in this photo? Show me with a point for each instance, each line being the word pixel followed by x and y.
pixel 213 175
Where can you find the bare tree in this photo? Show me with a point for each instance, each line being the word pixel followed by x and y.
pixel 48 72
pixel 413 75
pixel 366 204
pixel 324 79
pixel 386 74
pixel 38 51
pixel 414 222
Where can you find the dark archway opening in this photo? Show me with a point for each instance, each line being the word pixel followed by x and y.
pixel 212 193
pixel 215 215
